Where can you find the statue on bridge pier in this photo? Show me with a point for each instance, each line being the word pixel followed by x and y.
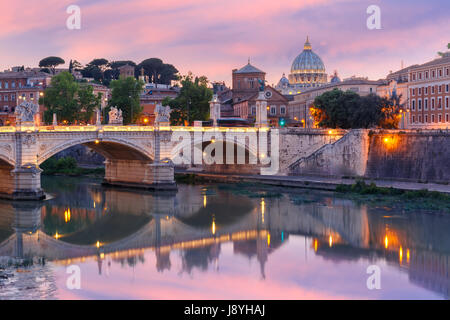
pixel 162 115
pixel 25 113
pixel 115 116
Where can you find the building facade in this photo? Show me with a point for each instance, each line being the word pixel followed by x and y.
pixel 19 86
pixel 429 94
pixel 240 100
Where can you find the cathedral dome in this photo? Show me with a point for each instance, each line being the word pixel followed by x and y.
pixel 307 61
pixel 307 69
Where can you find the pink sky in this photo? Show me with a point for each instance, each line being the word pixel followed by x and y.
pixel 213 37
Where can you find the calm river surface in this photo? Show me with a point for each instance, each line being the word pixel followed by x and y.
pixel 218 242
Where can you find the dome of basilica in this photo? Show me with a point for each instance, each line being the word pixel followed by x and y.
pixel 307 61
pixel 308 69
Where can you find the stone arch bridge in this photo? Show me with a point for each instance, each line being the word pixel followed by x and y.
pixel 138 156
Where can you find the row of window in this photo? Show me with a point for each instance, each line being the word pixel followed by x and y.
pixel 433 74
pixel 439 118
pixel 433 104
pixel 10 84
pixel 272 110
pixel 12 97
pixel 432 90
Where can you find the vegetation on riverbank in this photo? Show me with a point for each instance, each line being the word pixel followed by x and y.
pixel 68 166
pixel 397 198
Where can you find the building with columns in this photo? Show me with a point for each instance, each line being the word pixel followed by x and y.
pixel 240 101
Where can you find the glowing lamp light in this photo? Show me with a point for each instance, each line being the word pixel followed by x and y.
pixel 330 241
pixel 315 245
pixel 386 242
pixel 268 239
pixel 213 227
pixel 97 141
pixel 57 235
pixel 330 131
pixel 146 120
pixel 400 254
pixel 97 244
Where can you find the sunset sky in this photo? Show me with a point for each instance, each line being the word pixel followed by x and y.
pixel 211 37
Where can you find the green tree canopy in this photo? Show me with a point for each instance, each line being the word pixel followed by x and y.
pixel 346 110
pixel 125 95
pixel 158 71
pixel 193 101
pixel 70 102
pixel 51 63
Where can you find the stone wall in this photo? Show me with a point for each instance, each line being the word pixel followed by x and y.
pixel 413 155
pixel 422 156
pixel 298 143
pixel 346 156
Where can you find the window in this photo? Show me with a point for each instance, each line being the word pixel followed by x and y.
pixel 419 105
pixel 413 105
pixel 439 88
pixel 13 97
pixel 413 76
pixel 370 90
pixel 413 119
pixel 446 117
pixel 5 98
pixel 425 104
pixel 446 88
pixel 420 75
pixel 426 74
pixel 433 74
pixel 426 118
pixel 0 84
pixel 6 85
pixel 283 110
pixel 13 84
pixel 439 117
pixel 446 102
pixel 432 118
pixel 420 118
pixel 426 90
pixel 413 92
pixel 253 110
pixel 440 72
pixel 432 103
pixel 420 91
pixel 273 110
pixel 432 90
pixel 439 103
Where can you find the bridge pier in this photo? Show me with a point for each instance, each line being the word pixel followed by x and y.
pixel 140 174
pixel 21 183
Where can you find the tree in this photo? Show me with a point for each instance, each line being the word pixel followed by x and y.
pixel 88 102
pixel 157 71
pixel 96 69
pixel 193 101
pixel 51 63
pixel 347 110
pixel 70 103
pixel 125 95
pixel 441 53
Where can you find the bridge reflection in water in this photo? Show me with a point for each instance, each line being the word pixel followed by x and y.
pixel 87 222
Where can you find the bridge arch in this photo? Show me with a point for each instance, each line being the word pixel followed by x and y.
pixel 110 148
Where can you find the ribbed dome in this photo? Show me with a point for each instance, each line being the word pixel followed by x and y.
pixel 283 81
pixel 307 61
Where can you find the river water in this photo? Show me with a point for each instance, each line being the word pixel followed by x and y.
pixel 218 242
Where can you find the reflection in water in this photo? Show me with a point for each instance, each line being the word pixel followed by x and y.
pixel 190 232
